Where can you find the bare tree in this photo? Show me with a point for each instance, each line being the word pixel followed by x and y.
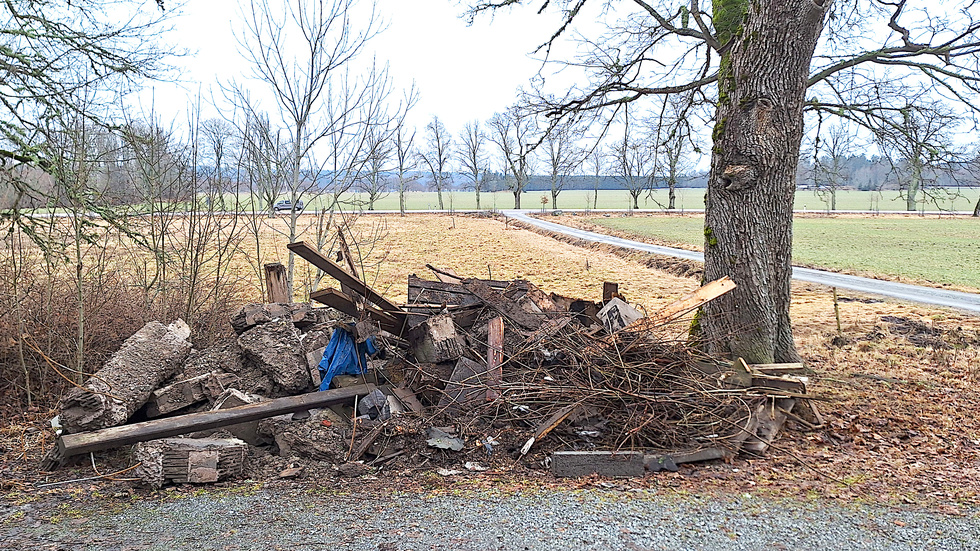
pixel 436 154
pixel 830 172
pixel 761 64
pixel 472 156
pixel 372 180
pixel 634 158
pixel 301 52
pixel 513 133
pixel 918 139
pixel 595 163
pixel 405 160
pixel 562 157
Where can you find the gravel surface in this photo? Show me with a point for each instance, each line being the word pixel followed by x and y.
pixel 297 518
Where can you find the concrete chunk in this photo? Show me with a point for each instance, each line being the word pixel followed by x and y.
pixel 622 464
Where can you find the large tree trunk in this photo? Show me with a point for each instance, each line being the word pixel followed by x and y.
pixel 976 209
pixel 749 205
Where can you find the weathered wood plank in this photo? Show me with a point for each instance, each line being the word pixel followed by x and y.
pixel 393 322
pixel 436 292
pixel 506 307
pixel 335 271
pixel 74 444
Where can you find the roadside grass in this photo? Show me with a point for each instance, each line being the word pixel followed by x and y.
pixel 939 251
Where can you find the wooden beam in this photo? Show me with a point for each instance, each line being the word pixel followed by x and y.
pixel 74 444
pixel 393 322
pixel 335 271
pixel 610 290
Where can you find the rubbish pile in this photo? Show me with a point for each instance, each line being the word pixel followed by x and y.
pixel 469 375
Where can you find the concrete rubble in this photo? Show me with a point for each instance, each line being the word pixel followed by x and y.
pixel 471 375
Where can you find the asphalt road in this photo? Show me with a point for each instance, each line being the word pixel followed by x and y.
pixel 968 302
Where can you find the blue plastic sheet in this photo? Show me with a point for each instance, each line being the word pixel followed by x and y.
pixel 343 356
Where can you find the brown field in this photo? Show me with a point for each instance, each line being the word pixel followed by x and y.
pixel 899 394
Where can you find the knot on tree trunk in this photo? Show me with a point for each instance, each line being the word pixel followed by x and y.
pixel 739 177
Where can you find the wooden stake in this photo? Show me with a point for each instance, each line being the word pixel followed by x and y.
pixel 277 284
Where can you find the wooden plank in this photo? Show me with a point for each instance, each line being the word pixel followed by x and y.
pixel 436 292
pixel 779 369
pixel 506 307
pixel 547 426
pixel 445 276
pixel 335 271
pixel 277 284
pixel 449 276
pixel 345 251
pixel 495 354
pixel 620 464
pixel 393 322
pixel 74 444
pixel 685 304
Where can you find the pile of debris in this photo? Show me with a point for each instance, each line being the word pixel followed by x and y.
pixel 471 373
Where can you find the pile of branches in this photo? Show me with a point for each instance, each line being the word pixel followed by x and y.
pixel 637 389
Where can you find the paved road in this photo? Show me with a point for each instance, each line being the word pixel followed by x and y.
pixel 969 302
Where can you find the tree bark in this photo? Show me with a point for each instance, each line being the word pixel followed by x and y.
pixel 749 204
pixel 976 209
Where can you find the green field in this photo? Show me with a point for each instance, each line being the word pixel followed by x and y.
pixel 939 250
pixel 686 199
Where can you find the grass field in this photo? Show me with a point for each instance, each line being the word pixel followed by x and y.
pixel 928 249
pixel 686 199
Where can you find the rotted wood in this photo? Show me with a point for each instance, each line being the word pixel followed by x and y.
pixel 504 306
pixel 277 284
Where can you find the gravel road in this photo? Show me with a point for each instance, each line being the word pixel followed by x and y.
pixel 297 518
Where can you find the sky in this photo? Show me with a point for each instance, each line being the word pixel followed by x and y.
pixel 462 72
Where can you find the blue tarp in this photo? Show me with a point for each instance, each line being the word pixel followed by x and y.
pixel 343 356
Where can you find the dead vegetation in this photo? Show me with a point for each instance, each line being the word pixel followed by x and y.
pixel 897 393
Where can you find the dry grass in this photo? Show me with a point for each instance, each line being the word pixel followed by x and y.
pixel 900 411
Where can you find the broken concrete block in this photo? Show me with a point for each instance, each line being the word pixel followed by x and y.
pixel 617 314
pixel 275 348
pixel 232 398
pixel 124 384
pixel 597 462
pixel 435 340
pixel 188 392
pixel 189 460
pixel 308 439
pixel 226 357
pixel 252 315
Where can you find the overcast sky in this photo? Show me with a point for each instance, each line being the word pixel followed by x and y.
pixel 462 72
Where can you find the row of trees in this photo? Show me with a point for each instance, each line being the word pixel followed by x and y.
pixel 308 122
pixel 510 148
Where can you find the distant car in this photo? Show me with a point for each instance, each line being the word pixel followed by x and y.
pixel 287 205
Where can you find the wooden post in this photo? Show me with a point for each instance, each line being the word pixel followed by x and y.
pixel 609 290
pixel 495 354
pixel 277 284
